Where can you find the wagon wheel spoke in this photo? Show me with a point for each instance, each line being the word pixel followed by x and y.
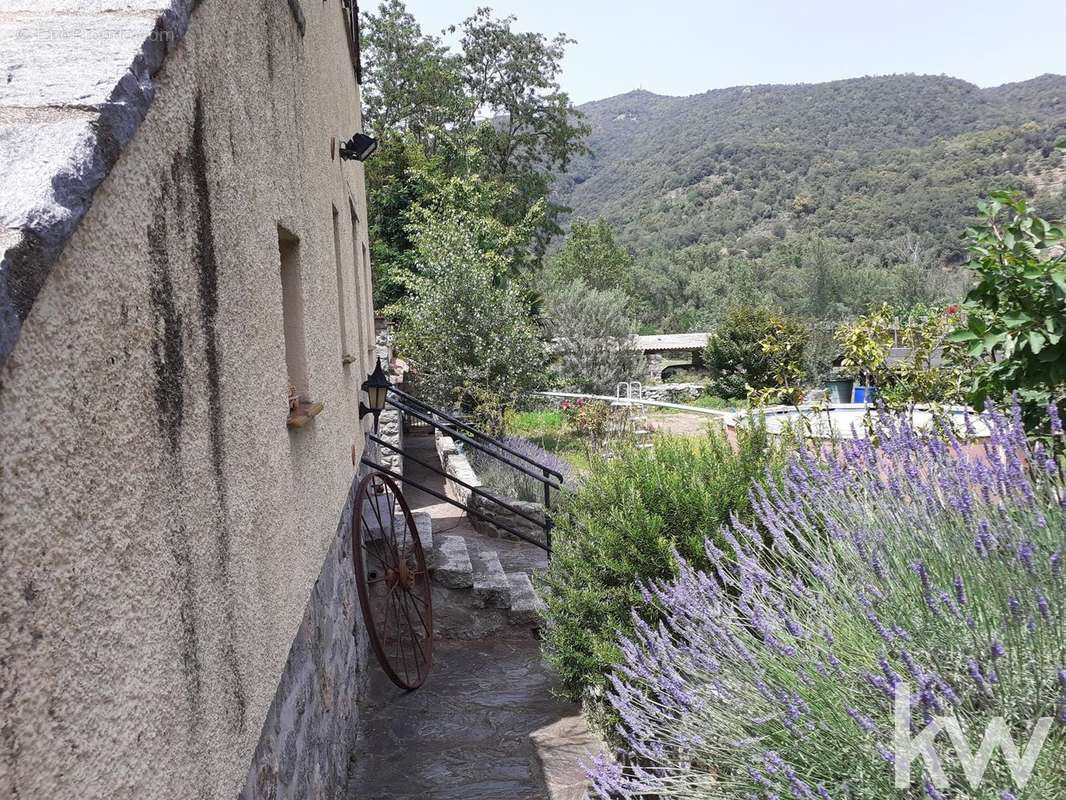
pixel 416 650
pixel 418 614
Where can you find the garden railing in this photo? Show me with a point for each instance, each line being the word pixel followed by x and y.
pixel 449 425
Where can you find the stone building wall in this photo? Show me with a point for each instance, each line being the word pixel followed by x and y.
pixel 390 423
pixel 672 392
pixel 309 732
pixel 175 615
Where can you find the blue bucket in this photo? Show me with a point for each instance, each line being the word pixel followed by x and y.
pixel 865 394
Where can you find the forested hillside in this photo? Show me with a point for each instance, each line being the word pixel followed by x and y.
pixel 877 175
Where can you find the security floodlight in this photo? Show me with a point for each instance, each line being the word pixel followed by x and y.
pixel 359 148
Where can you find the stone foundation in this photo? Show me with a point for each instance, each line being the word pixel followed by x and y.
pixel 309 733
pixel 455 463
pixel 390 423
pixel 497 514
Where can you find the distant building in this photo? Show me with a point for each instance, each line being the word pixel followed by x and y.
pixel 180 243
pixel 669 352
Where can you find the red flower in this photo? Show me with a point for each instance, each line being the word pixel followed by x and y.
pixel 953 309
pixel 566 405
pixel 581 402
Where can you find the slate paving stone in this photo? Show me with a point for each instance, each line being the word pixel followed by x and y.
pixel 486 724
pixel 472 731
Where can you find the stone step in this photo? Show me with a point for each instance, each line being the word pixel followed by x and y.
pixel 526 605
pixel 375 514
pixel 424 528
pixel 452 566
pixel 491 589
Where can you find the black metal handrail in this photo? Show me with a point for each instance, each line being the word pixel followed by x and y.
pixel 411 400
pixel 474 489
pixel 489 449
pixel 545 545
pixel 446 423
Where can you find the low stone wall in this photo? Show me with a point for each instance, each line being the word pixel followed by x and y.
pixel 672 392
pixel 455 463
pixel 307 739
pixel 497 514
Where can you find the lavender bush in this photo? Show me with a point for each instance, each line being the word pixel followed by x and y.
pixel 913 562
pixel 507 482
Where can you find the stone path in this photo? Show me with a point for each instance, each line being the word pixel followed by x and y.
pixel 487 724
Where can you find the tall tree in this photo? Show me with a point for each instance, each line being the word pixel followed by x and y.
pixel 493 109
pixel 592 332
pixel 464 327
pixel 590 254
pixel 412 82
pixel 530 130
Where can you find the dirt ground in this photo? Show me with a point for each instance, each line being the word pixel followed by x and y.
pixel 683 423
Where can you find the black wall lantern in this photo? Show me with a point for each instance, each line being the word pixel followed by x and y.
pixel 359 148
pixel 376 387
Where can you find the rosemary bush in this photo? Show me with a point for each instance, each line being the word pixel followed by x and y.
pixel 628 522
pixel 773 672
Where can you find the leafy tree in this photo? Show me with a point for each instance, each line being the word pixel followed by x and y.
pixel 463 329
pixel 929 370
pixel 1016 313
pixel 531 129
pixel 412 83
pixel 591 331
pixel 738 357
pixel 590 254
pixel 493 109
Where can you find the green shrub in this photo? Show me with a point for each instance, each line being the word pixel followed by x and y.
pixel 1016 312
pixel 740 356
pixel 623 527
pixel 591 331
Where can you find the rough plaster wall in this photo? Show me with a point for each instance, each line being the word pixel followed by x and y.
pixel 160 529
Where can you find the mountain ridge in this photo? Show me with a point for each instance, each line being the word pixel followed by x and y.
pixel 729 164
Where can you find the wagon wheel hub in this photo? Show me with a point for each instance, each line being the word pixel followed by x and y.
pixel 402 576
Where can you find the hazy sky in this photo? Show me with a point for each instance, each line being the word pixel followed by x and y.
pixel 682 47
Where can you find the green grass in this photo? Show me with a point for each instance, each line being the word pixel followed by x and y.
pixel 534 423
pixel 549 430
pixel 718 403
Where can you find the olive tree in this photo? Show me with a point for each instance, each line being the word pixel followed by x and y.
pixel 592 336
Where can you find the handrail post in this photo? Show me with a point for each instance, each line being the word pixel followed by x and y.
pixel 547 513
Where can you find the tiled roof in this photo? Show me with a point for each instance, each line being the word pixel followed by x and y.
pixel 672 341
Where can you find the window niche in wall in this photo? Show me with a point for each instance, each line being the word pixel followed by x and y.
pixel 302 409
pixel 346 356
pixel 363 298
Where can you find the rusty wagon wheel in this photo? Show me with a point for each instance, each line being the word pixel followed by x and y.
pixel 392 581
